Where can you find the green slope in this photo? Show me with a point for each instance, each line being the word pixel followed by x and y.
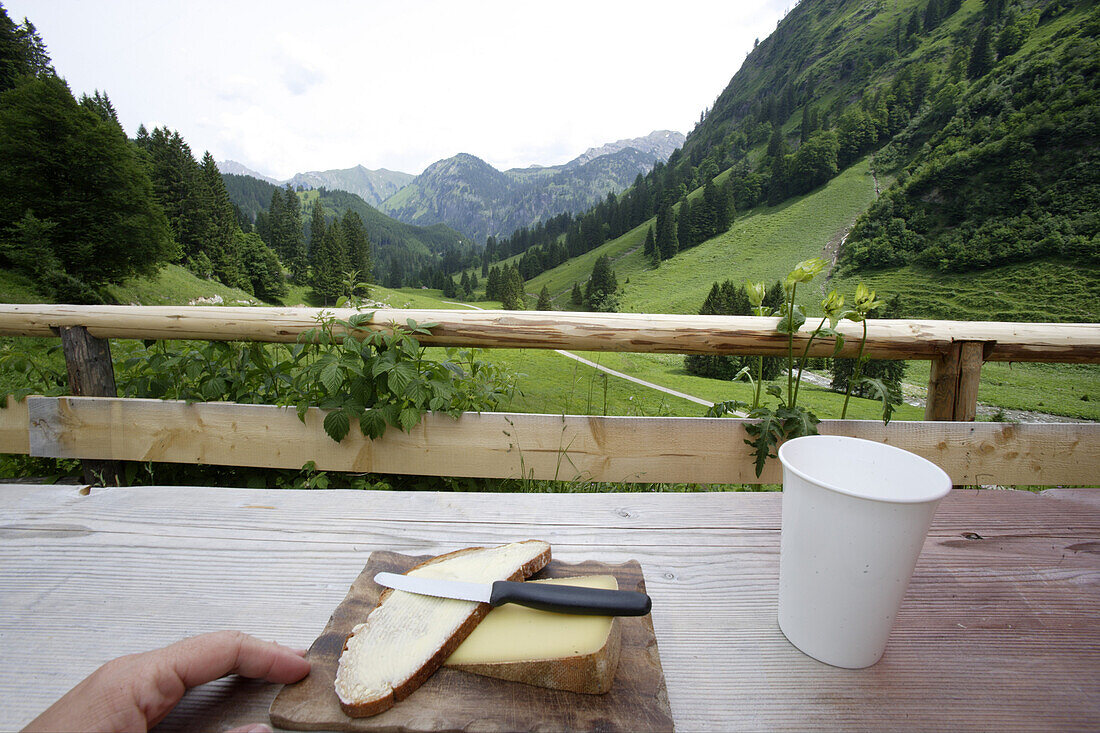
pixel 762 244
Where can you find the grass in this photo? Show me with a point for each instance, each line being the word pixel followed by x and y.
pixel 17 288
pixel 175 285
pixel 1070 390
pixel 762 244
pixel 1040 291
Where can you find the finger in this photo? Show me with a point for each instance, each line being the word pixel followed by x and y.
pixel 207 657
pixel 253 728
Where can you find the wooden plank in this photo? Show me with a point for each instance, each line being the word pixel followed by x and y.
pixel 970 373
pixel 630 332
pixel 521 446
pixel 91 374
pixel 943 383
pixel 994 633
pixel 14 437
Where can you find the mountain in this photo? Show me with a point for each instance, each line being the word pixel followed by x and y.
pixel 478 200
pixel 978 125
pixel 660 144
pixel 238 169
pixel 983 116
pixel 399 251
pixel 373 186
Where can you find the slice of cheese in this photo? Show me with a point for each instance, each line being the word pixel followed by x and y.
pixel 561 651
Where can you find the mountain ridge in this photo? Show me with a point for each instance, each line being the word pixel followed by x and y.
pixel 473 197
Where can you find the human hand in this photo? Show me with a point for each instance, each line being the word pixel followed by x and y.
pixel 137 691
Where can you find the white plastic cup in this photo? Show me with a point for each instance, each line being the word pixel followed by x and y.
pixel 855 515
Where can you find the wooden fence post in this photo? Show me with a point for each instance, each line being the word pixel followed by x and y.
pixel 91 374
pixel 953 383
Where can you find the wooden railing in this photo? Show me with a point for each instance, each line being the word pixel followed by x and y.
pixel 502 445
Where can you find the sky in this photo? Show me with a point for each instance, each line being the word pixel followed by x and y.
pixel 288 87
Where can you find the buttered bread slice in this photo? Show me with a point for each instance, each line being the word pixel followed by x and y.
pixel 408 636
pixel 560 651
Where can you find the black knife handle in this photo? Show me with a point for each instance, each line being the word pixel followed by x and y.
pixel 570 599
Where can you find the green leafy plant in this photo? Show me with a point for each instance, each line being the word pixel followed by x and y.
pixel 787 419
pixel 382 379
pixel 866 302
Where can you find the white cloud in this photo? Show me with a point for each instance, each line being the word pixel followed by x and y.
pixel 283 87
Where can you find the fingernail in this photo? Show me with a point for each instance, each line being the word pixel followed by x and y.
pixel 300 652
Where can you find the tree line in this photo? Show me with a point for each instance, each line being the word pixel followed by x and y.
pixel 86 207
pixel 905 111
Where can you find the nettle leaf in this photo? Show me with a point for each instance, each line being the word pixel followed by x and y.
pixel 392 413
pixel 417 391
pixel 410 416
pixel 337 424
pixel 330 376
pixel 359 319
pixel 383 363
pixel 400 377
pixel 214 388
pixel 372 423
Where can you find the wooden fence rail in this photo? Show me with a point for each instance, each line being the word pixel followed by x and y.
pixel 692 450
pixel 511 445
pixel 631 332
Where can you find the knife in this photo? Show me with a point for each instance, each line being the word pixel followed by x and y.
pixel 543 596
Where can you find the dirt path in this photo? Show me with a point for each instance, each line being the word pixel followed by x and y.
pixel 613 373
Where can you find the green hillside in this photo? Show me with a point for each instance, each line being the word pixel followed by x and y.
pixel 399 250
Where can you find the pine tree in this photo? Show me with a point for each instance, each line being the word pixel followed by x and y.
pixel 221 246
pixel 667 243
pixel 601 291
pixel 268 226
pixel 933 14
pixel 316 231
pixel 576 298
pixel 329 264
pixel 22 52
pixel 981 55
pixel 512 296
pixel 450 290
pixel 294 241
pixel 83 181
pixel 727 299
pixel 358 246
pixel 685 232
pixel 262 266
pixel 544 303
pixel 492 285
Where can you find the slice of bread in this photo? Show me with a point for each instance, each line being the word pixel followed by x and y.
pixel 408 636
pixel 554 650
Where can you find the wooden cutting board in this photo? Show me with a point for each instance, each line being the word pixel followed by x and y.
pixel 459 701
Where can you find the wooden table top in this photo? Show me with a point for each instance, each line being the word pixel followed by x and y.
pixel 999 629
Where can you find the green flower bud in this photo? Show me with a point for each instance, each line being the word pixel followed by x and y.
pixel 755 292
